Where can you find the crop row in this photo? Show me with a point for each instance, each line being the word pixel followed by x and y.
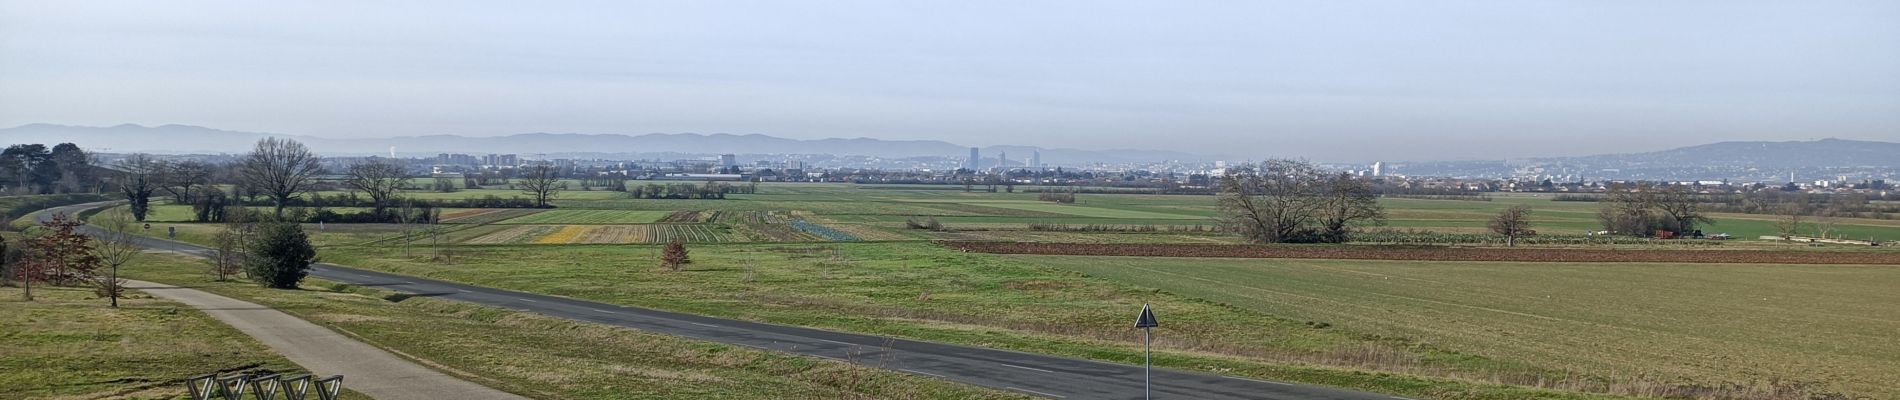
pixel 1430 253
pixel 604 234
pixel 823 231
pixel 478 216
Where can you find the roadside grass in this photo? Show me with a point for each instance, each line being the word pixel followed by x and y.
pixel 1752 329
pixel 68 344
pixel 549 357
pixel 926 292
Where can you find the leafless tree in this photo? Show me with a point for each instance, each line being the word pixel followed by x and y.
pixel 1680 205
pixel 279 168
pixel 1625 210
pixel 382 180
pixel 227 254
pixel 1826 220
pixel 1344 201
pixel 541 181
pixel 117 245
pixel 137 177
pixel 1792 215
pixel 1273 202
pixel 1512 223
pixel 180 177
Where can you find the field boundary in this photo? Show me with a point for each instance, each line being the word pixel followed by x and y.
pixel 1428 253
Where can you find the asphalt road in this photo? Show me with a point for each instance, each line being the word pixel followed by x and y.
pixel 1039 375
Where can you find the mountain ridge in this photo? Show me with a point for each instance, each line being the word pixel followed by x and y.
pixel 177 138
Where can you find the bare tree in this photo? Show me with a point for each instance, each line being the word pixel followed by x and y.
pixel 1680 206
pixel 1346 200
pixel 1274 202
pixel 1792 215
pixel 227 254
pixel 180 177
pixel 381 180
pixel 1826 220
pixel 1512 223
pixel 279 168
pixel 117 245
pixel 137 177
pixel 541 181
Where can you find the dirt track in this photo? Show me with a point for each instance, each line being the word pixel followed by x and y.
pixel 1431 253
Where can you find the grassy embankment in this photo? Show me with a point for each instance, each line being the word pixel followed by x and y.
pixel 67 344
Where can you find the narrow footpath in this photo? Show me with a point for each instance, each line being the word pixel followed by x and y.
pixel 365 369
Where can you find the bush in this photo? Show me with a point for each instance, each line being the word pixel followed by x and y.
pixel 280 255
pixel 674 257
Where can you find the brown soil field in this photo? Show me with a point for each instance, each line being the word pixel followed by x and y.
pixel 1430 253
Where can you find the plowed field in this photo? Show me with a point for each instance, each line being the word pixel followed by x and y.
pixel 1431 253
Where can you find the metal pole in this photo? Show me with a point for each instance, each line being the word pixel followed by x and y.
pixel 1147 347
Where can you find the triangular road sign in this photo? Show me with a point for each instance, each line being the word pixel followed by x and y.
pixel 1147 318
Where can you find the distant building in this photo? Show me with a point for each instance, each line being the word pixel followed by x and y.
pixel 976 160
pixel 1035 159
pixel 501 160
pixel 1002 160
pixel 728 160
pixel 1378 168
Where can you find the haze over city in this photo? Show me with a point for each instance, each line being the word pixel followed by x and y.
pixel 1347 80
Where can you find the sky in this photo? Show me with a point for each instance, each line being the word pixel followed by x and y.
pixel 1334 80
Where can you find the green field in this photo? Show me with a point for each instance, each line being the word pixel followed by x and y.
pixel 930 293
pixel 841 257
pixel 533 355
pixel 588 217
pixel 1831 326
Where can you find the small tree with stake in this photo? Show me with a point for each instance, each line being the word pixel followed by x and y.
pixel 1512 223
pixel 674 257
pixel 117 246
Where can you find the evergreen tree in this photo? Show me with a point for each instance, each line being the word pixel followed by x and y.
pixel 280 255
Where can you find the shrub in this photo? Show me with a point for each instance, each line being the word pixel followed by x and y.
pixel 280 255
pixel 674 257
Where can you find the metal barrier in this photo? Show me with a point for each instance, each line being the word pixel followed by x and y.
pixel 262 387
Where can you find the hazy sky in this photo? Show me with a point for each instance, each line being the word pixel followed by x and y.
pixel 1328 80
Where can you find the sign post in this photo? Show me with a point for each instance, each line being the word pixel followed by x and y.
pixel 1147 324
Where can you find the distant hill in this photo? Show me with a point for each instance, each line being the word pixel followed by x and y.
pixel 1758 161
pixel 195 139
pixel 1815 153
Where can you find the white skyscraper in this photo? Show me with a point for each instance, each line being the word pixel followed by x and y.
pixel 1378 168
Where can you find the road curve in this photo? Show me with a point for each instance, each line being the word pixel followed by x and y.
pixel 1034 374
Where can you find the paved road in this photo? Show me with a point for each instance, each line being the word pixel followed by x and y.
pixel 1040 375
pixel 365 369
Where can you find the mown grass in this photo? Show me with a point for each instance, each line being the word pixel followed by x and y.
pixel 548 357
pixel 1755 329
pixel 926 292
pixel 67 344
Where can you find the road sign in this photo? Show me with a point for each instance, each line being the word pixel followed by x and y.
pixel 1147 318
pixel 1146 323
